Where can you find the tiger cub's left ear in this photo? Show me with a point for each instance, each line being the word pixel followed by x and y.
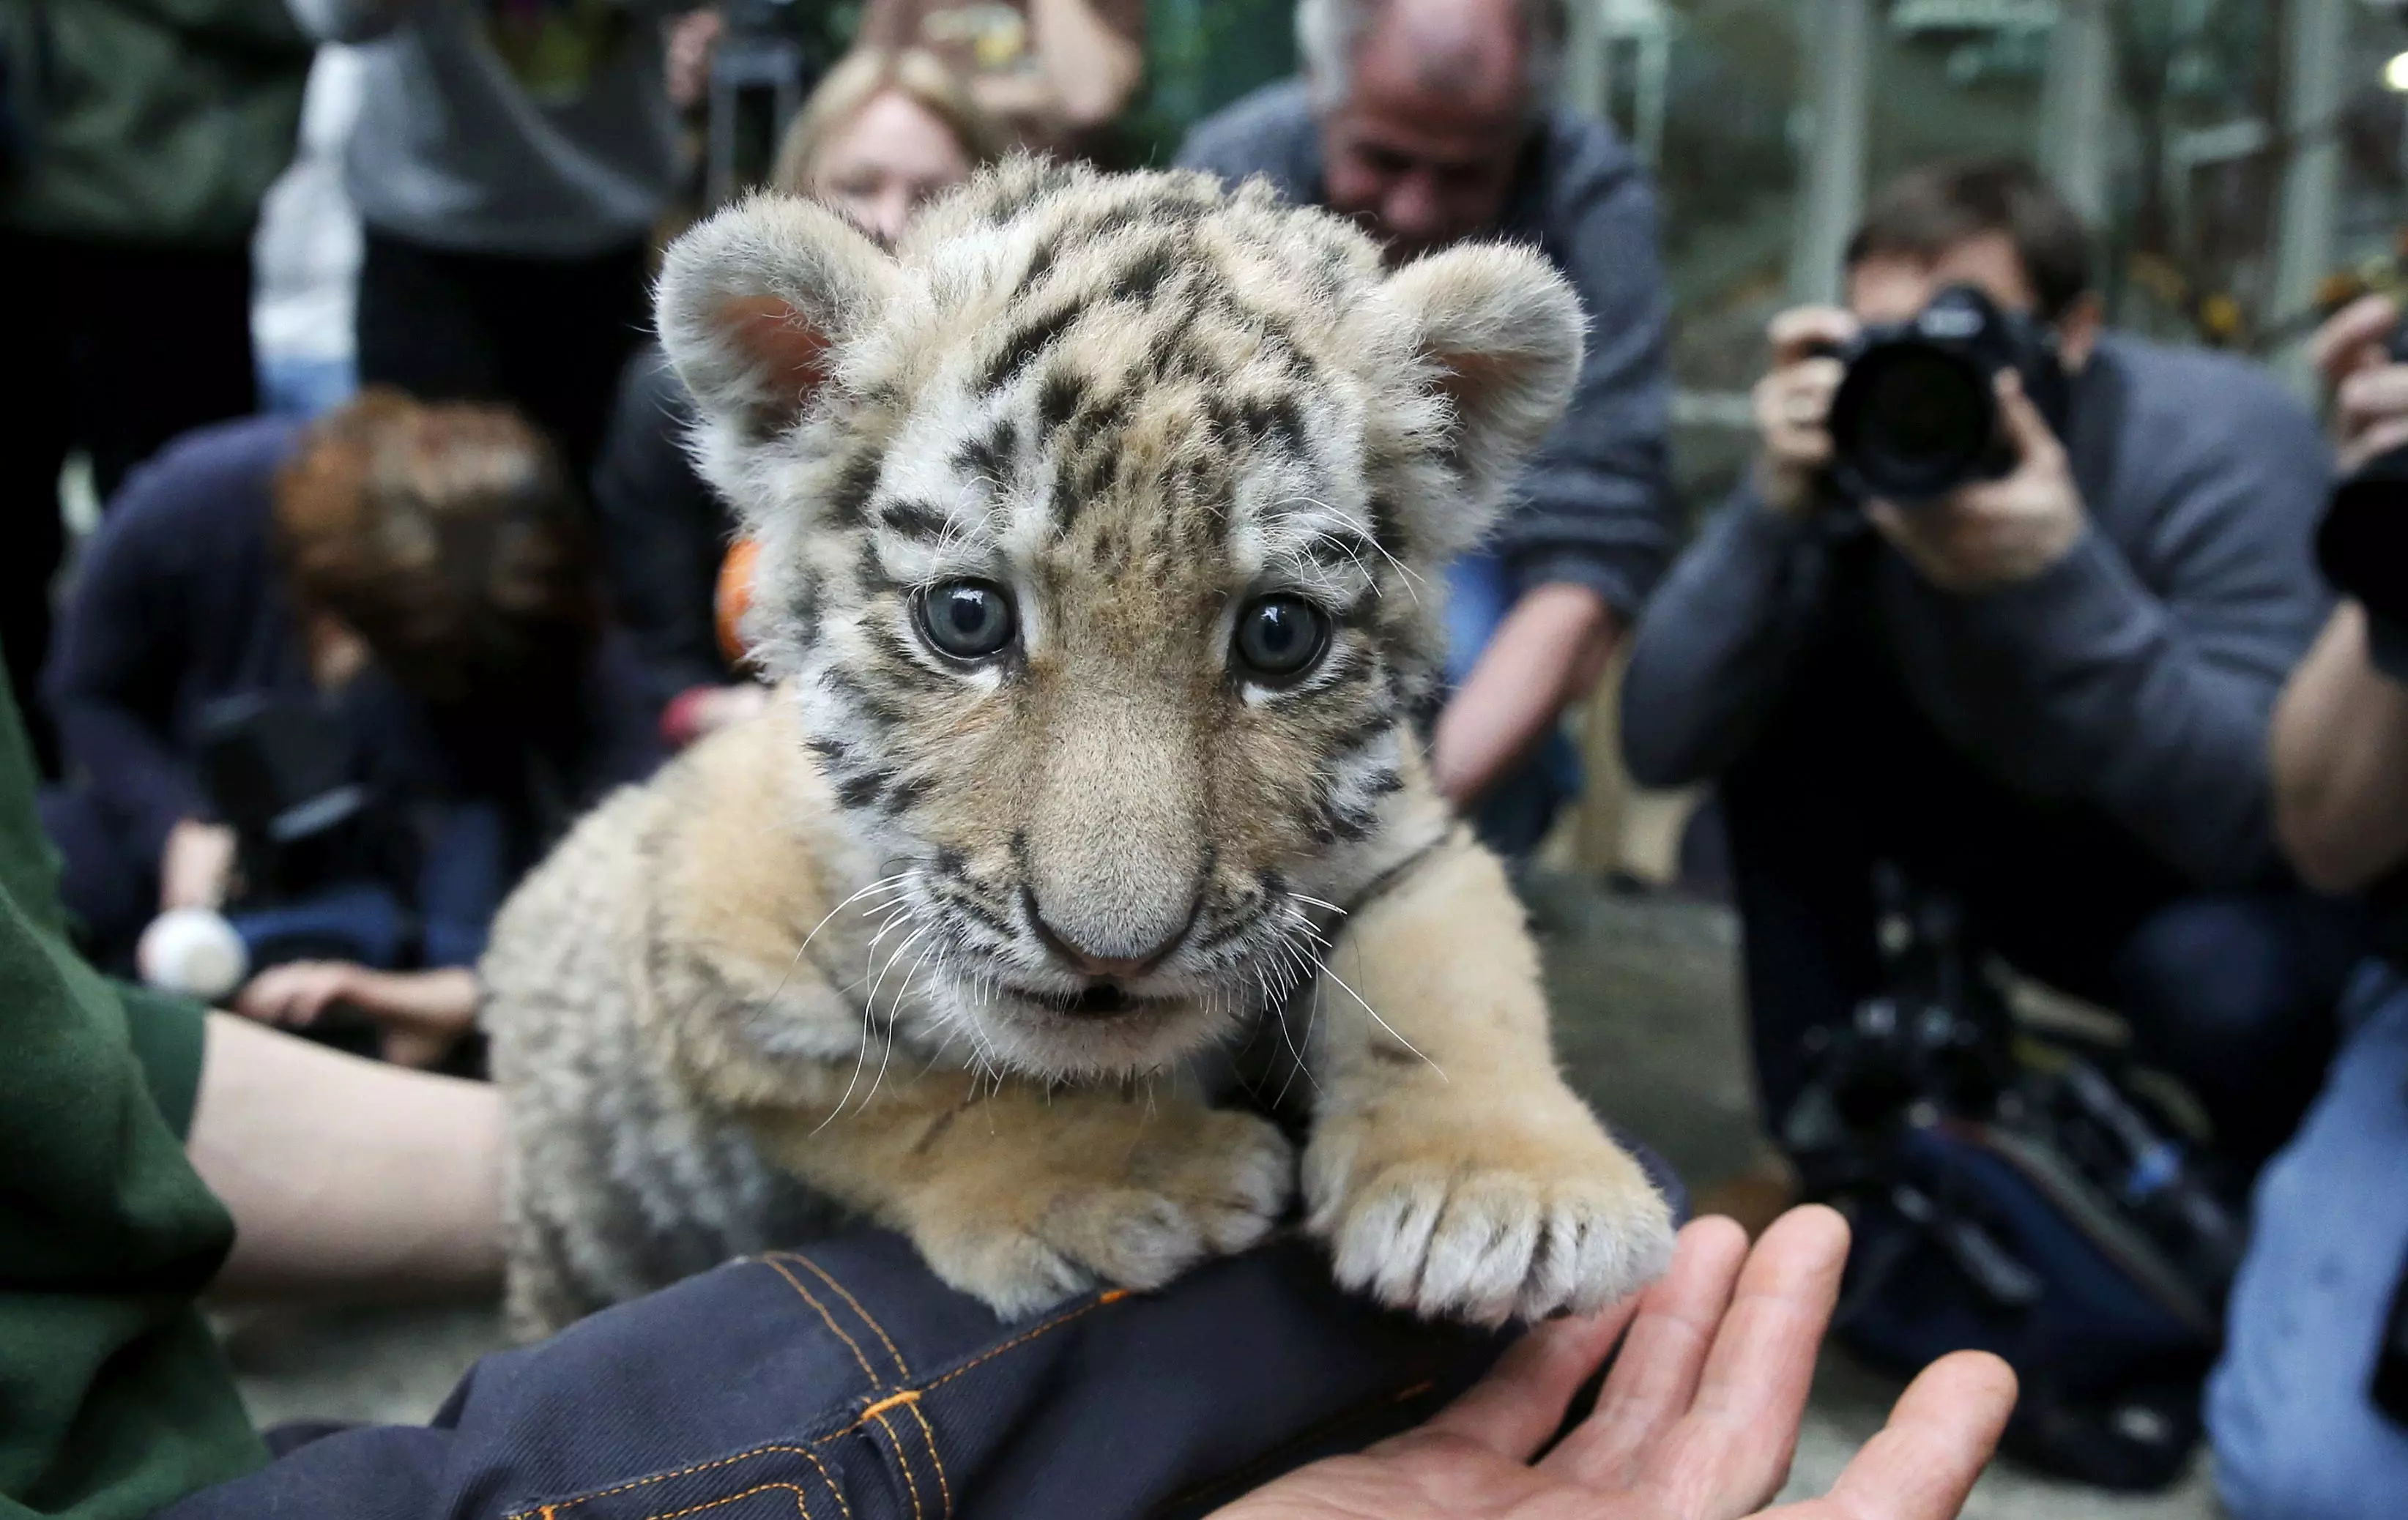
pixel 754 302
pixel 1501 331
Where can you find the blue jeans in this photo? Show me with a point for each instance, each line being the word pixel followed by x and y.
pixel 843 1382
pixel 2296 1436
pixel 1519 809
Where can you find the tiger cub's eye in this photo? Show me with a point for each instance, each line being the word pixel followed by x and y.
pixel 1280 638
pixel 967 620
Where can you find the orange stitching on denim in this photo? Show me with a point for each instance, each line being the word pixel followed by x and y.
pixel 851 1344
pixel 802 1501
pixel 928 1433
pixel 829 1479
pixel 1112 1296
pixel 905 1463
pixel 909 1396
pixel 549 1512
pixel 901 1366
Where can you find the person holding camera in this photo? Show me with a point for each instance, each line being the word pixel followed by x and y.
pixel 2308 1409
pixel 2004 606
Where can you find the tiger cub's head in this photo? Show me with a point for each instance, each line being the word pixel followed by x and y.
pixel 1101 530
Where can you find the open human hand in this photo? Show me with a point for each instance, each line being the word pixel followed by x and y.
pixel 1698 1420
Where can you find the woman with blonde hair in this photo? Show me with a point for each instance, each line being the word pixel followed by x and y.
pixel 883 133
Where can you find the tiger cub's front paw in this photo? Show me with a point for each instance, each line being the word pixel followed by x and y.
pixel 1132 1210
pixel 1485 1219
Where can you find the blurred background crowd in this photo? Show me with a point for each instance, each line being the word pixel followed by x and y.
pixel 349 551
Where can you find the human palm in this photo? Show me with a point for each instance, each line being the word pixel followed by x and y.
pixel 1696 1421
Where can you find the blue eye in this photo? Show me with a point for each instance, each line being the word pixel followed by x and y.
pixel 1280 638
pixel 967 620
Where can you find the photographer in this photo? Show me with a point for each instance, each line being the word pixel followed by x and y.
pixel 2043 690
pixel 2309 1407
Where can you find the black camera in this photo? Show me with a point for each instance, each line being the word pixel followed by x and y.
pixel 280 770
pixel 1916 416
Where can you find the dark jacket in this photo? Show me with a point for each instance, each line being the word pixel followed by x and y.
pixel 2138 675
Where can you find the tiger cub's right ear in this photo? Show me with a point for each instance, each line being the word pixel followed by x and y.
pixel 753 301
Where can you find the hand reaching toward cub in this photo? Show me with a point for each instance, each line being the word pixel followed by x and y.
pixel 1698 1420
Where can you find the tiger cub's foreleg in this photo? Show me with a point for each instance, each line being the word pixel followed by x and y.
pixel 1450 1169
pixel 1023 1198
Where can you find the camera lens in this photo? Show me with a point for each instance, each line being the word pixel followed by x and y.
pixel 1912 421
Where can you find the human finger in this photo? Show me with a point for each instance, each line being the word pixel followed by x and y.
pixel 2353 337
pixel 1730 1453
pixel 261 997
pixel 1792 407
pixel 1521 1402
pixel 1923 1464
pixel 324 986
pixel 1796 333
pixel 1656 1373
pixel 2034 441
pixel 2379 440
pixel 2372 394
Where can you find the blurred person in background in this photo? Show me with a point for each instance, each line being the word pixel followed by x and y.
pixel 140 142
pixel 391 620
pixel 2045 694
pixel 509 164
pixel 1055 73
pixel 883 134
pixel 1432 121
pixel 2318 1319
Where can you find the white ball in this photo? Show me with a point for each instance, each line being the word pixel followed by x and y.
pixel 193 951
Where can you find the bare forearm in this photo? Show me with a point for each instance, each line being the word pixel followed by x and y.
pixel 346 1178
pixel 1549 650
pixel 2341 762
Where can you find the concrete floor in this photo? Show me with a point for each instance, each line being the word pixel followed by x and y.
pixel 1649 1026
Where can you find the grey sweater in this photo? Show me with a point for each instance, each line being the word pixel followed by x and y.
pixel 2138 675
pixel 1593 508
pixel 453 149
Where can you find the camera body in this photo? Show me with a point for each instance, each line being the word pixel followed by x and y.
pixel 281 771
pixel 1916 416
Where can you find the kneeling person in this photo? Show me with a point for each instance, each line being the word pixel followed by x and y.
pixel 2045 694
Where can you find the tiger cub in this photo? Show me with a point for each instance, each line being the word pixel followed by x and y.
pixel 1100 530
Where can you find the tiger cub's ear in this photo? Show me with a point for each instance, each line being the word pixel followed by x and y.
pixel 753 301
pixel 1501 332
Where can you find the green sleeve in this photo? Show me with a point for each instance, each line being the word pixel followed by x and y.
pixel 168 1034
pixel 114 1400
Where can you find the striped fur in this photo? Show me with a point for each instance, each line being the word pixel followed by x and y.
pixel 763 988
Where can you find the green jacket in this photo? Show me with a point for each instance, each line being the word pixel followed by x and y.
pixel 157 122
pixel 114 1400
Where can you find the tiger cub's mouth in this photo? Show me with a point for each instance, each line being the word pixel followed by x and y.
pixel 1100 999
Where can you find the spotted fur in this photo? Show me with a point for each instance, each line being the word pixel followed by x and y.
pixel 845 958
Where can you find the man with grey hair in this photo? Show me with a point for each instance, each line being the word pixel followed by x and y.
pixel 1432 121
